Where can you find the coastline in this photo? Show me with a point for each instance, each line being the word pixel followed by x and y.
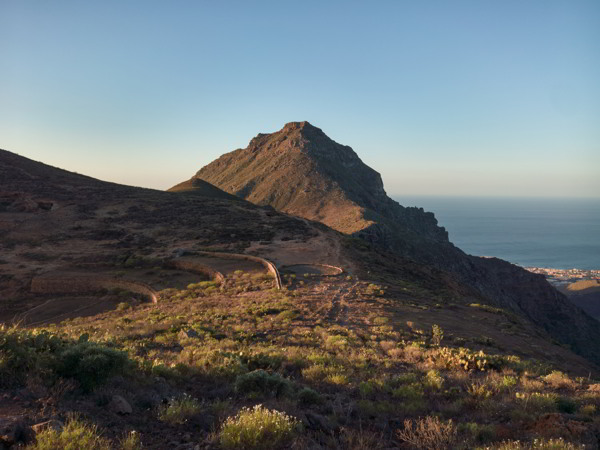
pixel 562 277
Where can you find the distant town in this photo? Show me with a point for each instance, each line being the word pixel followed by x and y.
pixel 561 276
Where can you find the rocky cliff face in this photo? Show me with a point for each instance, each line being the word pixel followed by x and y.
pixel 300 171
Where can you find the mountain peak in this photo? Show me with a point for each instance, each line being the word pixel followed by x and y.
pixel 304 125
pixel 301 171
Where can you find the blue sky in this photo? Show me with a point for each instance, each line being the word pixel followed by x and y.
pixel 443 98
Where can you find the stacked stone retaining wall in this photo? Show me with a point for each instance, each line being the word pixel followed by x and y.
pixel 339 270
pixel 192 266
pixel 77 284
pixel 271 268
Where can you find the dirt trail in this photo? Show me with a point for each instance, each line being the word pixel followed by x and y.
pixel 338 311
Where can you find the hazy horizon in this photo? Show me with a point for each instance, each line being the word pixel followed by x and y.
pixel 452 99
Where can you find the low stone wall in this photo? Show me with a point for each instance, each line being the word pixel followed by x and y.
pixel 81 284
pixel 271 268
pixel 192 266
pixel 338 270
pixel 78 284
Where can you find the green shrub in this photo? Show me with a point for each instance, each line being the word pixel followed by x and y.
pixel 23 353
pixel 509 381
pixel 537 402
pixel 123 306
pixel 405 378
pixel 366 389
pixel 434 380
pixel 257 428
pixel 261 382
pixel 308 396
pixel 480 433
pixel 131 442
pixel 75 435
pixel 179 410
pixel 90 364
pixel 202 285
pixel 262 361
pixel 566 405
pixel 413 391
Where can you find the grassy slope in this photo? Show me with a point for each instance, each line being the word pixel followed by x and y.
pixel 351 359
pixel 367 349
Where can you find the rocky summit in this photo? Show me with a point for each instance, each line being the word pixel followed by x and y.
pixel 301 171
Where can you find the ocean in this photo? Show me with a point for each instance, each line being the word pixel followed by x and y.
pixel 531 232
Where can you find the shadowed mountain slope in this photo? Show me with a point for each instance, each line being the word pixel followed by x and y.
pixel 52 219
pixel 300 171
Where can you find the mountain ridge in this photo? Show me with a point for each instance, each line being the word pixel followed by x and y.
pixel 300 171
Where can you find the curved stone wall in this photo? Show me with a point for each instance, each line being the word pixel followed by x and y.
pixel 192 266
pixel 78 284
pixel 82 284
pixel 338 270
pixel 271 268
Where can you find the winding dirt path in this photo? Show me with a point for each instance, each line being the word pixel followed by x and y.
pixel 338 311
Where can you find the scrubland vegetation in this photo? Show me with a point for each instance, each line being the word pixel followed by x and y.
pixel 247 366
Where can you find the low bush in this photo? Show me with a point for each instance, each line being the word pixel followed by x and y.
pixel 566 405
pixel 588 410
pixel 433 380
pixel 262 382
pixel 428 433
pixel 538 402
pixel 262 361
pixel 131 442
pixel 479 433
pixel 437 334
pixel 179 410
pixel 258 428
pixel 90 363
pixel 308 396
pixel 24 352
pixel 559 380
pixel 74 436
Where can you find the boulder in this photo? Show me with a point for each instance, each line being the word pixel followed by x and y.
pixel 119 405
